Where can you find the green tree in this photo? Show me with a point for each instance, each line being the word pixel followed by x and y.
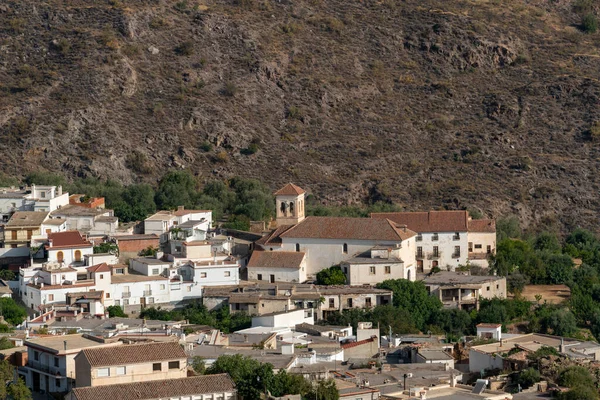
pixel 110 248
pixel 19 391
pixel 574 376
pixel 149 251
pixel 528 377
pixel 453 322
pixel 582 243
pixel 285 384
pixel 44 178
pixel 579 393
pixel 7 275
pixel 559 268
pixel 12 312
pixel 562 322
pixel 548 242
pixel 199 365
pixel 514 255
pixel 137 203
pixel 413 297
pixel 589 23
pixel 331 276
pixel 176 188
pixel 399 319
pixel 324 390
pixel 5 343
pixel 508 228
pixel 116 311
pixel 252 378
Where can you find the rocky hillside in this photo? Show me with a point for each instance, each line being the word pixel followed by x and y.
pixel 486 104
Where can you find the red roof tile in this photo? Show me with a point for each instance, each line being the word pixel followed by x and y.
pixel 159 389
pixel 432 221
pixel 273 238
pixel 133 354
pixel 359 343
pixel 482 225
pixel 67 239
pixel 348 228
pixel 290 190
pixel 99 268
pixel 276 259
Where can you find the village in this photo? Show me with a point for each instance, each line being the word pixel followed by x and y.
pixel 396 305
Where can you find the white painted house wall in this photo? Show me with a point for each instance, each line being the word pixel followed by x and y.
pixel 446 245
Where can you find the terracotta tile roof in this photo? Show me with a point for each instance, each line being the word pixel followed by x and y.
pixel 290 190
pixel 348 228
pixel 354 344
pixel 67 239
pixel 160 389
pixel 432 221
pixel 482 225
pixel 98 268
pixel 276 259
pixel 273 238
pixel 133 354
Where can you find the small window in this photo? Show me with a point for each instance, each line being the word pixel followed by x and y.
pixel 36 356
pixel 488 288
pixel 121 370
pixel 259 277
pixel 368 302
pixel 57 383
pixel 101 276
pixel 102 372
pixel 173 364
pixel 345 248
pixel 157 367
pixel 497 286
pixel 298 247
pixel 108 295
pixel 118 303
pixel 56 361
pixel 371 270
pixel 478 246
pixel 388 269
pixel 189 288
pixel 202 274
pixel 125 302
pixel 350 303
pixel 331 303
pixel 162 287
pixel 227 274
pixel 50 297
pixel 456 236
pixel 435 237
pixel 419 238
pixel 154 271
pixel 120 271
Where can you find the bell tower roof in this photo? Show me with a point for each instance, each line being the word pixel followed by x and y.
pixel 290 190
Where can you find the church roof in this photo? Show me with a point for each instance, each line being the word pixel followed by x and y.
pixel 290 190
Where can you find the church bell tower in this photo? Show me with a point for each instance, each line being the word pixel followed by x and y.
pixel 290 204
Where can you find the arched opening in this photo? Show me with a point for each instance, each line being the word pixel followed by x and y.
pixel 60 257
pixel 408 274
pixel 292 208
pixel 283 208
pixel 77 255
pixel 298 247
pixel 345 248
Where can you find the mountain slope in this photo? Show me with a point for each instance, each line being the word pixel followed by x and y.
pixel 455 103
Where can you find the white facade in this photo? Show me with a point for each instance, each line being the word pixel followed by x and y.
pixel 489 331
pixel 446 250
pixel 286 319
pixel 266 274
pixel 48 198
pixel 481 246
pixel 378 265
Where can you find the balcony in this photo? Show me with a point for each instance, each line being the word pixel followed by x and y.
pixel 126 295
pixel 434 255
pixel 147 292
pixel 456 237
pixel 419 238
pixel 456 255
pixel 38 366
pixel 478 256
pixel 420 255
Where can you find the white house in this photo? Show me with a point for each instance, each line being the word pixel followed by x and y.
pixel 93 221
pixel 447 239
pixel 277 266
pixel 378 264
pixel 163 222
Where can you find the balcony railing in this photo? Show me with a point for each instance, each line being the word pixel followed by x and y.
pixel 434 255
pixel 43 367
pixel 126 295
pixel 456 255
pixel 419 238
pixel 147 292
pixel 420 255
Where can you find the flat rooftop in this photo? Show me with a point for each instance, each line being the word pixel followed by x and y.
pixel 74 343
pixel 72 210
pixel 161 216
pixel 450 278
pixel 27 218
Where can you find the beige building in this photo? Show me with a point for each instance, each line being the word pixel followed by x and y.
pixel 277 266
pixel 290 204
pixel 459 290
pixel 377 265
pixel 204 387
pixel 22 227
pixel 131 363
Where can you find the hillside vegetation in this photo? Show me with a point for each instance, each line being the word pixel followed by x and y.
pixel 491 105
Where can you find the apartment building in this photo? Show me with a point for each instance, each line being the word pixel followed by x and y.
pixel 50 364
pixel 460 290
pixel 33 198
pixel 187 225
pixel 377 265
pixel 130 363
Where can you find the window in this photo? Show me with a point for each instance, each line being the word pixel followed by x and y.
pixel 56 361
pixel 57 383
pixel 371 270
pixel 350 303
pixel 202 274
pixel 121 370
pixel 156 367
pixel 388 269
pixel 259 277
pixel 162 287
pixel 14 235
pixel 50 297
pixel 488 289
pixel 101 276
pixel 368 302
pixel 173 364
pixel 120 271
pixel 331 303
pixel 29 233
pixel 345 248
pixel 36 355
pixel 435 237
pixel 489 249
pixel 108 295
pixel 436 251
pixel 456 236
pixel 43 194
pixel 154 271
pixel 478 246
pixel 117 302
pixel 189 288
pixel 31 295
pixel 419 252
pixel 77 255
pixel 227 274
pixel 60 256
pixel 298 247
pixel 125 302
pixel 497 286
pixel 102 372
pixel 456 251
pixel 419 238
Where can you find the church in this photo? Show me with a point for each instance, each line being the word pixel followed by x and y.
pixel 368 249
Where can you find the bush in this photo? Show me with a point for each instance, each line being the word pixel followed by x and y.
pixel 589 23
pixel 185 49
pixel 206 146
pixel 331 276
pixel 574 376
pixel 116 311
pixel 229 89
pixel 528 377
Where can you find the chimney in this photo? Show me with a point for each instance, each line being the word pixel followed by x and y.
pixel 180 208
pixel 59 189
pixel 65 344
pixel 561 348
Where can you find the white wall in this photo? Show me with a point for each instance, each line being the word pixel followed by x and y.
pixel 446 244
pixel 68 254
pixel 295 275
pixel 482 361
pixel 360 274
pixel 288 319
